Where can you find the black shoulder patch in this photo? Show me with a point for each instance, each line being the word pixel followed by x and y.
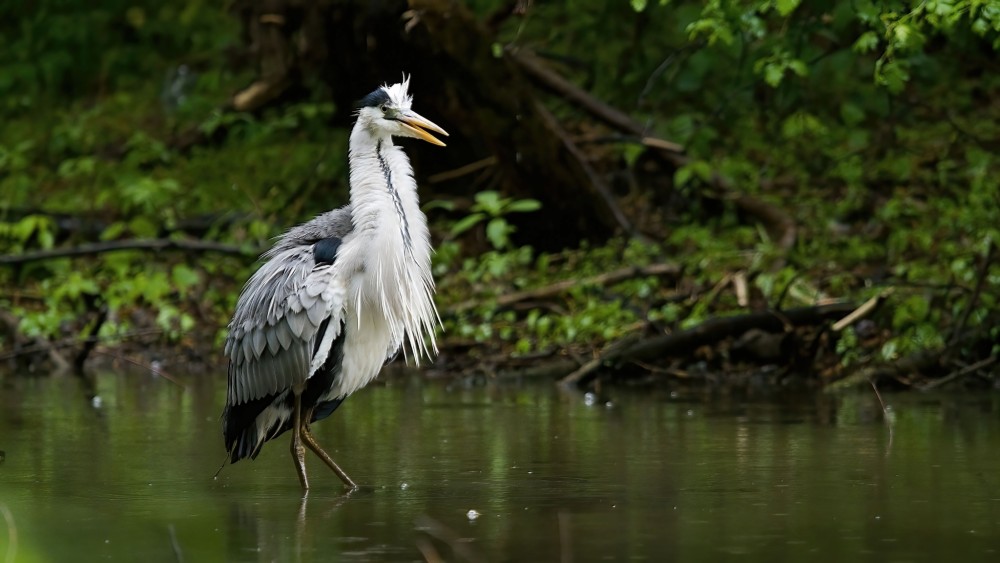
pixel 374 100
pixel 325 250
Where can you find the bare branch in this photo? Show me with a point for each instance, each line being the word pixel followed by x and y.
pixel 92 249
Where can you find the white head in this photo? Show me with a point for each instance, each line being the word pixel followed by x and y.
pixel 386 112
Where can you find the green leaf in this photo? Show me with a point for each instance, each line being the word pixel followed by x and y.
pixel 184 276
pixel 773 73
pixel 892 74
pixel 798 67
pixel 45 238
pixel 524 206
pixel 490 202
pixel 496 231
pixel 786 7
pixel 466 223
pixel 113 231
pixel 142 227
pixel 866 43
pixel 638 5
pixel 682 176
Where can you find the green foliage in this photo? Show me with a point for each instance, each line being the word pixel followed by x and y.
pixel 869 124
pixel 492 208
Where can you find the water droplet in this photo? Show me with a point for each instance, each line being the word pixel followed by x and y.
pixel 472 514
pixel 404 486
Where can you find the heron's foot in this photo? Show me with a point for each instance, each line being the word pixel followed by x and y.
pixel 310 441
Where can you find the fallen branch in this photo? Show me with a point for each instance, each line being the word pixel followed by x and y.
pixel 91 249
pixel 585 100
pixel 632 349
pixel 714 330
pixel 586 372
pixel 861 312
pixel 986 362
pixel 921 361
pixel 597 184
pixel 608 278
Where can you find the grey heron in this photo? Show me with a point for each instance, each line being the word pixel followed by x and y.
pixel 337 297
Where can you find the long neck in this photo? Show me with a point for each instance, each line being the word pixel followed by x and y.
pixel 386 211
pixel 383 192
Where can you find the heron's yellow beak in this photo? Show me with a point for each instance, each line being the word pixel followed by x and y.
pixel 416 124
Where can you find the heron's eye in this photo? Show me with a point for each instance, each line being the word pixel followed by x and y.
pixel 384 107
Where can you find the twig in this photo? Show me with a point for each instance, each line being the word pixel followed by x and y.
pixel 91 249
pixel 608 278
pixel 885 416
pixel 585 372
pixel 178 554
pixel 67 342
pixel 742 291
pixel 602 191
pixel 860 312
pixel 8 517
pixel 934 384
pixel 155 370
pixel 428 550
pixel 438 530
pixel 462 170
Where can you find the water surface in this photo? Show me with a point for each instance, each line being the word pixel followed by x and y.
pixel 501 473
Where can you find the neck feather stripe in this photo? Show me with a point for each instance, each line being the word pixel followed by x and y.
pixel 387 173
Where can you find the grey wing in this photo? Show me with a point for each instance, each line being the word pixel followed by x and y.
pixel 280 315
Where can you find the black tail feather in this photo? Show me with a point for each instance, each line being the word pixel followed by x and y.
pixel 239 422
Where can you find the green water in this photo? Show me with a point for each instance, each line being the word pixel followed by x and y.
pixel 552 477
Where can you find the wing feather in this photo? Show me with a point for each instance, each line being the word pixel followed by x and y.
pixel 272 342
pixel 284 333
pixel 273 346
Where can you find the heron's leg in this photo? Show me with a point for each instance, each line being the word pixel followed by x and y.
pixel 298 452
pixel 310 441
